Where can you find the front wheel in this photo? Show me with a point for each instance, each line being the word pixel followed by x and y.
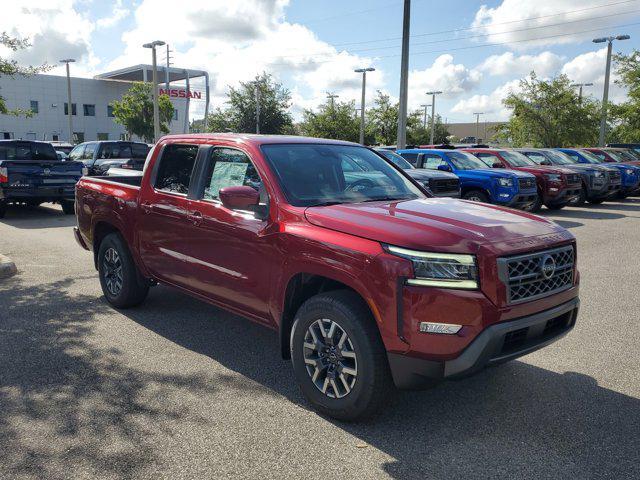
pixel 338 357
pixel 557 206
pixel 68 207
pixel 581 198
pixel 596 201
pixel 622 195
pixel 121 283
pixel 476 196
pixel 536 206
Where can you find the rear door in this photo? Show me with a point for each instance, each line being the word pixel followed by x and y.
pixel 231 251
pixel 164 221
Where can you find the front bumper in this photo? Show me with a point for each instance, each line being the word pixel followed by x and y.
pixel 497 343
pixel 563 196
pixel 520 200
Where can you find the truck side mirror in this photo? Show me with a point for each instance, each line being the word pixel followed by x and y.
pixel 239 198
pixel 545 162
pixel 444 167
pixel 497 165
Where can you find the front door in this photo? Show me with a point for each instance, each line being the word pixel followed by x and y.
pixel 231 251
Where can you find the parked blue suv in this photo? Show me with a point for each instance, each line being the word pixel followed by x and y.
pixel 629 174
pixel 477 181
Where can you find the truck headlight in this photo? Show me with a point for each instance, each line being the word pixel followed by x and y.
pixel 553 177
pixel 505 182
pixel 630 172
pixel 445 270
pixel 598 174
pixel 85 171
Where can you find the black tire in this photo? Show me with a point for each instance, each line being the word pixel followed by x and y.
pixel 3 209
pixel 68 207
pixel 557 206
pixel 476 196
pixel 536 206
pixel 373 386
pixel 582 197
pixel 596 201
pixel 622 195
pixel 133 289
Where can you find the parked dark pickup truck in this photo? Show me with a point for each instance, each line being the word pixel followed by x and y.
pixel 367 287
pixel 31 173
pixel 98 157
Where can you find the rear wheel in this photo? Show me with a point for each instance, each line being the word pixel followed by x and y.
pixel 535 206
pixel 338 357
pixel 581 198
pixel 622 195
pixel 121 283
pixel 68 207
pixel 476 196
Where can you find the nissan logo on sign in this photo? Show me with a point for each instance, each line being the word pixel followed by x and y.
pixel 180 93
pixel 548 266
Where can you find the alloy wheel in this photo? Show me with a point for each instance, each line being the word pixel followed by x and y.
pixel 112 271
pixel 330 358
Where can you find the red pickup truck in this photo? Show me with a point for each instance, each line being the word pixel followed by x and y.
pixel 369 282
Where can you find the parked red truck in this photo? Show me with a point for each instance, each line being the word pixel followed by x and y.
pixel 369 284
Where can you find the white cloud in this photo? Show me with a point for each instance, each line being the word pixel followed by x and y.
pixel 117 14
pixel 491 105
pixel 544 64
pixel 590 68
pixel 443 75
pixel 501 22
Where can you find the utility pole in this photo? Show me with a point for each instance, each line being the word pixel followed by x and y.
pixel 154 64
pixel 404 77
pixel 580 85
pixel 424 120
pixel 257 91
pixel 363 71
pixel 477 114
pixel 332 97
pixel 607 75
pixel 67 61
pixel 166 71
pixel 433 112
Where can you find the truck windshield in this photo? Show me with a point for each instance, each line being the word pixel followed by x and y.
pixel 466 161
pixel 27 151
pixel 617 156
pixel 317 174
pixel 517 159
pixel 558 158
pixel 590 157
pixel 396 159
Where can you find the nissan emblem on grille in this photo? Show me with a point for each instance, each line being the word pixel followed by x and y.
pixel 537 274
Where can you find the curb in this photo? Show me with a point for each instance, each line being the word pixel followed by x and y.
pixel 7 267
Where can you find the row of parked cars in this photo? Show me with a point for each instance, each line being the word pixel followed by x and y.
pixel 524 178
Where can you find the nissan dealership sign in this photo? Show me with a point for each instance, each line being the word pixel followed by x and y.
pixel 180 93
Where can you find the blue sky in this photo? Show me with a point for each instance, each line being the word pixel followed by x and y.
pixel 313 46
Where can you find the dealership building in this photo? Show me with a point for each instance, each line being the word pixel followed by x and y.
pixel 92 117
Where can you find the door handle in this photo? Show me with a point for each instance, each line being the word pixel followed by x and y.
pixel 195 218
pixel 146 208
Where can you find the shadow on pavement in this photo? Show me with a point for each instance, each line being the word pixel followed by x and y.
pixel 586 213
pixel 499 423
pixel 68 405
pixel 45 216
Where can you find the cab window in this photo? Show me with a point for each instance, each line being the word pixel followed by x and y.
pixel 89 150
pixel 76 153
pixel 432 161
pixel 228 167
pixel 176 168
pixel 488 158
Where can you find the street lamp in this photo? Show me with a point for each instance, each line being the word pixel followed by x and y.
pixel 607 74
pixel 424 121
pixel 363 71
pixel 156 113
pixel 477 114
pixel 580 85
pixel 433 111
pixel 67 61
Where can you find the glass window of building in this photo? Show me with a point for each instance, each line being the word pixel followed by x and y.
pixel 110 111
pixel 66 108
pixel 89 110
pixel 103 136
pixel 34 106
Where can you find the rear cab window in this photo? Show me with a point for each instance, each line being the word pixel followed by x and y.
pixel 175 168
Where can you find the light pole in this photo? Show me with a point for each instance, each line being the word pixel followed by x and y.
pixel 156 113
pixel 401 141
pixel 332 97
pixel 477 114
pixel 433 111
pixel 424 120
pixel 67 61
pixel 363 71
pixel 580 85
pixel 607 74
pixel 257 88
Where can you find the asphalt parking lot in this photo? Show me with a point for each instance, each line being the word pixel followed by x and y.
pixel 179 389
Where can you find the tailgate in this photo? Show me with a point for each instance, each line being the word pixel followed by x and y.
pixel 28 173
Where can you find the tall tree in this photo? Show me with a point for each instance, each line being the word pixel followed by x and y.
pixel 334 120
pixel 417 134
pixel 548 113
pixel 626 116
pixel 11 68
pixel 135 111
pixel 240 113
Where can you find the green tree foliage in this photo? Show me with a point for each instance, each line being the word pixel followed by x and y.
pixel 417 134
pixel 626 116
pixel 548 113
pixel 11 68
pixel 135 111
pixel 240 113
pixel 334 119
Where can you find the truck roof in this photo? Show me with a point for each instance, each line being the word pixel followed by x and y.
pixel 255 139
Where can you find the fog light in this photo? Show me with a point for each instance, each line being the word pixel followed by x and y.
pixel 444 328
pixel 553 189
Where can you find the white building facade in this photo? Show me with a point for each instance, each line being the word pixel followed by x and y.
pixel 92 118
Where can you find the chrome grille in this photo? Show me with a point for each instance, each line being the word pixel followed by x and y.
pixel 538 274
pixel 526 183
pixel 449 185
pixel 615 177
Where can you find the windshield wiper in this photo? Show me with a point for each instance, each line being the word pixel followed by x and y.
pixel 385 199
pixel 325 204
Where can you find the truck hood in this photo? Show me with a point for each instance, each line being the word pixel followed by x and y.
pixel 425 174
pixel 493 173
pixel 541 169
pixel 439 224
